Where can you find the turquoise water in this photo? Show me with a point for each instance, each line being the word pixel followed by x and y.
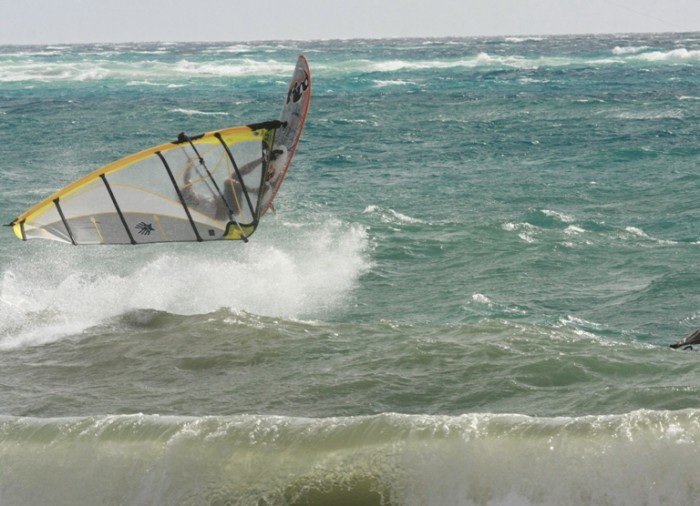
pixel 479 258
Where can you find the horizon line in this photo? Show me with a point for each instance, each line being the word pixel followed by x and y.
pixel 347 39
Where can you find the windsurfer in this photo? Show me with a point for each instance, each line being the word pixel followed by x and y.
pixel 689 342
pixel 234 199
pixel 278 158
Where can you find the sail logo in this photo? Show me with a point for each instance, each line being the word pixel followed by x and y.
pixel 297 89
pixel 145 228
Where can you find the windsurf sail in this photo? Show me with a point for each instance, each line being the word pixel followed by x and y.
pixel 211 186
pixel 690 342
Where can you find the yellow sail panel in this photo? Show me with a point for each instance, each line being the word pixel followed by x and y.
pixel 196 189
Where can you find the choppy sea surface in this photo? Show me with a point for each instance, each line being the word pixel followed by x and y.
pixel 479 257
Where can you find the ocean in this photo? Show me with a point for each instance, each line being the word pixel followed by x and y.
pixel 479 258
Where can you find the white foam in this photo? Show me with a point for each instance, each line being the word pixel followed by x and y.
pixel 558 215
pixel 518 40
pixel 481 298
pixel 392 82
pixel 638 232
pixel 291 274
pixel 194 112
pixel 525 230
pixel 511 460
pixel 618 50
pixel 652 114
pixel 136 72
pixel 574 230
pixel 482 59
pixel 679 54
pixel 246 67
pixel 154 84
pixel 391 216
pixel 643 457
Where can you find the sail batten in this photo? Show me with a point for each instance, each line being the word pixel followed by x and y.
pixel 179 195
pixel 63 219
pixel 117 209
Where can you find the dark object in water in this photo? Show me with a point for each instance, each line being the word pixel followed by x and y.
pixel 688 342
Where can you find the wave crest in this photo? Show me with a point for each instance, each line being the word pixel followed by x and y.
pixel 394 459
